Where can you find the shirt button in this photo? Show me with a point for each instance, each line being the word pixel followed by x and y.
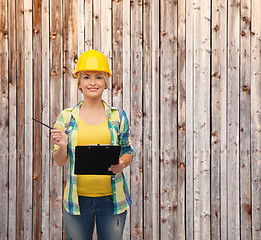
pixel 112 178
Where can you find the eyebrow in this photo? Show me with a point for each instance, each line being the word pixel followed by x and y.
pixel 86 74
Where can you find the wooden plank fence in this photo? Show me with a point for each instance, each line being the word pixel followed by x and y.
pixel 188 75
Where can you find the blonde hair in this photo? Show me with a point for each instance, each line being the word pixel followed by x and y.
pixel 104 75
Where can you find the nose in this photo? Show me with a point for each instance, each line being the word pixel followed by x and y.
pixel 93 80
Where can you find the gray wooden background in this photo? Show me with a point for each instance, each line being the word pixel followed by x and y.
pixel 188 74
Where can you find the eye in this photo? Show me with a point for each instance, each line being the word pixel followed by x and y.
pixel 99 77
pixel 86 77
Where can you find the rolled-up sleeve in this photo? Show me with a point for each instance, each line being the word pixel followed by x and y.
pixel 124 136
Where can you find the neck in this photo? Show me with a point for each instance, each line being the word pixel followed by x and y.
pixel 92 104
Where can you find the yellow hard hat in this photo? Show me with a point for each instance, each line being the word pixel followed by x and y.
pixel 92 60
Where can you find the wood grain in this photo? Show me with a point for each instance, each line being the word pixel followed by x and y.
pixel 136 119
pixel 4 126
pixel 187 73
pixel 37 113
pixel 12 76
pixel 255 119
pixel 233 120
pixel 45 215
pixel 245 121
pixel 56 106
pixel 20 120
pixel 168 121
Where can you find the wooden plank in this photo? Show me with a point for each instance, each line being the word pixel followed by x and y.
pixel 219 68
pixel 20 120
pixel 69 56
pixel 256 118
pixel 117 67
pixel 233 120
pixel 88 30
pixel 155 64
pixel 168 122
pixel 81 19
pixel 56 107
pixel 181 118
pixel 189 121
pixel 45 228
pixel 136 120
pixel 126 90
pixel 4 127
pixel 37 109
pixel 202 120
pixel 12 120
pixel 106 47
pixel 70 52
pixel 84 19
pixel 28 166
pixel 245 120
pixel 96 23
pixel 147 121
pixel 218 121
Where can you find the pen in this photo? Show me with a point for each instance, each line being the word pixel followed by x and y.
pixel 42 123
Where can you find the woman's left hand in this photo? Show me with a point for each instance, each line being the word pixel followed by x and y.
pixel 118 168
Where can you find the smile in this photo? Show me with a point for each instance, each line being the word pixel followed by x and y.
pixel 93 89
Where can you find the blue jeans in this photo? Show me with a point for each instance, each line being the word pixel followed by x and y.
pixel 99 209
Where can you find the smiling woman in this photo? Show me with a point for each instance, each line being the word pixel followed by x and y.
pixel 93 121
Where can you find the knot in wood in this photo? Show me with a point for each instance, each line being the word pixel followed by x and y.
pixel 5 95
pixel 53 36
pixel 215 74
pixel 245 88
pixel 244 19
pixel 163 220
pixel 165 75
pixel 36 31
pixel 139 114
pixel 53 73
pixel 214 133
pixel 182 166
pixel 4 31
pixel 216 28
pixel 181 127
pixel 163 33
pixel 243 33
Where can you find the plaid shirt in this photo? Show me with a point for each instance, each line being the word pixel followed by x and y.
pixel 120 135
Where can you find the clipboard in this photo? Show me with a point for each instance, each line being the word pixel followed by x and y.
pixel 96 159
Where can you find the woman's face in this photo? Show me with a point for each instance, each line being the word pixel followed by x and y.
pixel 92 84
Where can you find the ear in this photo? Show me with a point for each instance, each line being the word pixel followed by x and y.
pixel 79 87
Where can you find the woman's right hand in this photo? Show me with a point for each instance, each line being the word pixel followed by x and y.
pixel 59 138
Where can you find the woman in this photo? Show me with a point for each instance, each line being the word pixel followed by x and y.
pixel 103 199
